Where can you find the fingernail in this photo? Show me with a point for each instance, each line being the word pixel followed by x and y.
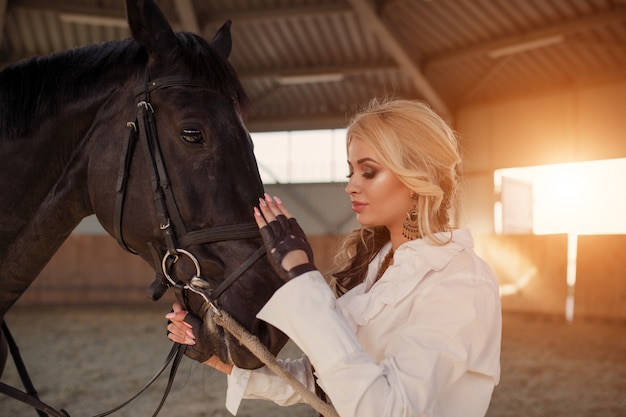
pixel 190 335
pixel 190 341
pixel 268 198
pixel 257 212
pixel 170 315
pixel 262 202
pixel 278 200
pixel 188 325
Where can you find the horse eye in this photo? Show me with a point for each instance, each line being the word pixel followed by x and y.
pixel 191 135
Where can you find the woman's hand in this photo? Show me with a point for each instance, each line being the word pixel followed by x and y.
pixel 287 246
pixel 178 330
pixel 217 363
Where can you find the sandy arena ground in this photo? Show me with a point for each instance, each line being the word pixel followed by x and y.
pixel 87 360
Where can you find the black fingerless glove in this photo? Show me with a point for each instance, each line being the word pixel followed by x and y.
pixel 282 236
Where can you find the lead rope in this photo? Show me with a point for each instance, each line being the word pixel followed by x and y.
pixel 253 344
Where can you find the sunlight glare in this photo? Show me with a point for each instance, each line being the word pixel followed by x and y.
pixel 579 198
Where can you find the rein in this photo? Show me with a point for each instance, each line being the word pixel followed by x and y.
pixel 31 397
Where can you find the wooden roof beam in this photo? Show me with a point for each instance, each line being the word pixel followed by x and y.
pixel 544 34
pixel 3 16
pixel 316 72
pixel 371 20
pixel 267 14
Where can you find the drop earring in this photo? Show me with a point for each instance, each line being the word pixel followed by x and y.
pixel 410 226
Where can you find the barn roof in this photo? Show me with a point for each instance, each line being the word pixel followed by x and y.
pixel 307 64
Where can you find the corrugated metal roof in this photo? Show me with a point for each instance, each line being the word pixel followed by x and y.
pixel 307 63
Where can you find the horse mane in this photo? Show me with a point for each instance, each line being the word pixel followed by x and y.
pixel 37 88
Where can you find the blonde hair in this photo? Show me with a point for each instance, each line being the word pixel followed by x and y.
pixel 421 149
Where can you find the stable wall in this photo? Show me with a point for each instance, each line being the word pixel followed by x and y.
pixel 601 277
pixel 581 124
pixel 95 269
pixel 531 269
pixel 584 123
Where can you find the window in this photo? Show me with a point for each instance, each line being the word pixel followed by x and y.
pixel 301 156
pixel 575 198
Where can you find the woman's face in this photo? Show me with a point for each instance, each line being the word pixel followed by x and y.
pixel 378 197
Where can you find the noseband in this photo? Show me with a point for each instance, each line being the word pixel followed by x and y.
pixel 175 234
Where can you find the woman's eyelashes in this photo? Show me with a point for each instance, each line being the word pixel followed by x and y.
pixel 366 173
pixel 369 174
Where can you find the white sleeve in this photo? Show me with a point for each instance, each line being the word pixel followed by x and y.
pixel 237 382
pixel 424 356
pixel 288 306
pixel 262 383
pixel 309 321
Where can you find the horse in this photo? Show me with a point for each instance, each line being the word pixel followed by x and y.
pixel 148 134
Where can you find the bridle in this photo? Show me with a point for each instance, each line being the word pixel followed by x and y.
pixel 175 234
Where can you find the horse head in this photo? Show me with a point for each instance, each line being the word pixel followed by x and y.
pixel 181 181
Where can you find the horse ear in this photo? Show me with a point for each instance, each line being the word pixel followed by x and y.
pixel 149 26
pixel 222 40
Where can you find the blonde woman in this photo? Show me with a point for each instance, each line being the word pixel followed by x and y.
pixel 411 324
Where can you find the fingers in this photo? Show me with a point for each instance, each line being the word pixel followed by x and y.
pixel 177 314
pixel 179 334
pixel 258 217
pixel 272 213
pixel 270 208
pixel 178 330
pixel 282 208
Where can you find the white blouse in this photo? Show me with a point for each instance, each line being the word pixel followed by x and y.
pixel 422 341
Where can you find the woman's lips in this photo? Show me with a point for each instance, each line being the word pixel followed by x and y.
pixel 358 207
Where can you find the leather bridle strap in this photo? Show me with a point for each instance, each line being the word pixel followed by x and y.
pixel 42 408
pixel 161 189
pixel 175 356
pixel 120 188
pixel 220 234
pixel 258 254
pixel 176 237
pixel 30 397
pixel 168 81
pixel 144 129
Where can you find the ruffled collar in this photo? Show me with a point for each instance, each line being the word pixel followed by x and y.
pixel 413 261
